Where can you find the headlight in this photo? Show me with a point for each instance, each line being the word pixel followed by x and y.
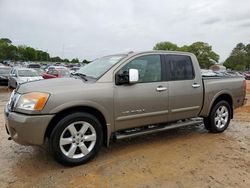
pixel 32 101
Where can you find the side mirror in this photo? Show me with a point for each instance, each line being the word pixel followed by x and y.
pixel 127 77
pixel 133 76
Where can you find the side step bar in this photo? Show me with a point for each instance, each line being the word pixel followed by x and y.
pixel 155 129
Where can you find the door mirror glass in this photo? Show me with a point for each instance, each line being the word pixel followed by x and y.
pixel 133 76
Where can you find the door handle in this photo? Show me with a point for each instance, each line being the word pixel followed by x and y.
pixel 160 88
pixel 196 85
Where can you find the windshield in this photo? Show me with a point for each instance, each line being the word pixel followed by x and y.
pixel 4 70
pixel 27 73
pixel 99 66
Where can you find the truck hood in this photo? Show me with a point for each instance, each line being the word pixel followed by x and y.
pixel 55 85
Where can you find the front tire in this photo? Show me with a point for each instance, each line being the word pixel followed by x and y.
pixel 76 139
pixel 219 117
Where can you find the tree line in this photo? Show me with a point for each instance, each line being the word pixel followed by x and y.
pixel 8 51
pixel 239 59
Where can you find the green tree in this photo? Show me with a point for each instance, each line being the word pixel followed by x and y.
pixel 42 56
pixel 247 48
pixel 203 51
pixel 3 50
pixel 85 61
pixel 75 60
pixel 6 40
pixel 166 46
pixel 66 60
pixel 56 59
pixel 7 50
pixel 238 59
pixel 30 54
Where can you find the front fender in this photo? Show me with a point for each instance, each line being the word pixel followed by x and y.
pixel 91 104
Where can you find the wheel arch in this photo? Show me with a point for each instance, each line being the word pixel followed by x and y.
pixel 97 113
pixel 223 97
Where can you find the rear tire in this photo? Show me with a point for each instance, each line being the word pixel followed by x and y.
pixel 219 117
pixel 206 123
pixel 76 139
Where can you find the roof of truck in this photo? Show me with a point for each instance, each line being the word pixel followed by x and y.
pixel 159 51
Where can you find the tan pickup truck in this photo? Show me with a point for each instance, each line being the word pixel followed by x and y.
pixel 120 96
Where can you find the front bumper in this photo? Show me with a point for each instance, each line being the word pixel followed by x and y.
pixel 26 129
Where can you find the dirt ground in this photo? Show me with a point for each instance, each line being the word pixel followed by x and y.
pixel 186 157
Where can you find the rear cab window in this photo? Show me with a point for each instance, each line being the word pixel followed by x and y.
pixel 179 67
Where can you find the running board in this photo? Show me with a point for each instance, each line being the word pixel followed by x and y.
pixel 154 129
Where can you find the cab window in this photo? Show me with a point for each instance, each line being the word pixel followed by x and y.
pixel 180 67
pixel 149 67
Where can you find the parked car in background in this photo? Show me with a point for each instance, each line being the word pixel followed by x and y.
pixel 50 67
pixel 36 67
pixel 44 66
pixel 4 75
pixel 247 75
pixel 233 73
pixel 39 71
pixel 56 73
pixel 205 72
pixel 74 69
pixel 22 75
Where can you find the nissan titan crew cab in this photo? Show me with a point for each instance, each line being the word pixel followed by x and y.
pixel 120 96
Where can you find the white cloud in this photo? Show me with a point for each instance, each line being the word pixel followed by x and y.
pixel 89 29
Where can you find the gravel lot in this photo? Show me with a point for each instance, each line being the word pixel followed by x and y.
pixel 186 157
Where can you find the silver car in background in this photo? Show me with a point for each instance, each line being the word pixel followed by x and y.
pixel 22 75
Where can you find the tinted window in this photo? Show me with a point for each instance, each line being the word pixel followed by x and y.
pixel 181 67
pixel 149 68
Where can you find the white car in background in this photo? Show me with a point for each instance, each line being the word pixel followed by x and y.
pixel 22 75
pixel 207 73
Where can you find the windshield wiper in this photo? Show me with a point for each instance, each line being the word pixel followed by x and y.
pixel 83 76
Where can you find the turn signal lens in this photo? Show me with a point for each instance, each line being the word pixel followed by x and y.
pixel 32 101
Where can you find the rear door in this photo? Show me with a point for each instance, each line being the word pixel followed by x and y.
pixel 145 102
pixel 185 87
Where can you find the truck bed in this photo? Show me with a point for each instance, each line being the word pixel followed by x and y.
pixel 214 86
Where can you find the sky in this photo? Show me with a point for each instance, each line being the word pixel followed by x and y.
pixel 88 29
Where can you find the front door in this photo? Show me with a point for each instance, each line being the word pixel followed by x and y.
pixel 145 102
